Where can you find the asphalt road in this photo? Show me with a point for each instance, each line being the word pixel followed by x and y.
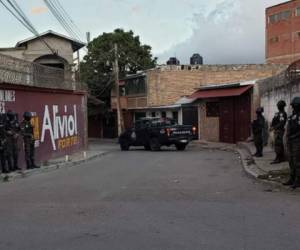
pixel 148 200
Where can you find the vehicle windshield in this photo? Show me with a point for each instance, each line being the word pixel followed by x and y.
pixel 154 122
pixel 163 122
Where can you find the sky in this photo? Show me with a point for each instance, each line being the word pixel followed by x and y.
pixel 222 31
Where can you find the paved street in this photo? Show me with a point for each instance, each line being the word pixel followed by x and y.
pixel 149 200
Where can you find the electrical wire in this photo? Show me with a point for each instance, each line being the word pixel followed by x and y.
pixel 22 18
pixel 19 19
pixel 67 16
pixel 61 19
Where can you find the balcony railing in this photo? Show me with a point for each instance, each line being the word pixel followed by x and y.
pixel 16 71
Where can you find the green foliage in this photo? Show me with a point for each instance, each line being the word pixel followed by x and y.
pixel 97 66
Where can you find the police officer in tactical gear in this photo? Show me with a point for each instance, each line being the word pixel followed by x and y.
pixel 27 132
pixel 293 142
pixel 12 134
pixel 258 126
pixel 278 126
pixel 3 145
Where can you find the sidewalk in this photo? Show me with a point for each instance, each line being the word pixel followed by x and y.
pixel 213 145
pixel 258 168
pixel 97 148
pixel 261 167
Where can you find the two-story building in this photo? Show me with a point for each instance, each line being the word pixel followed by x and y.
pixel 283 32
pixel 178 92
pixel 40 80
pixel 49 49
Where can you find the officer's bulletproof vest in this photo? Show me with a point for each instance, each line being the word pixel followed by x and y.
pixel 293 132
pixel 279 118
pixel 27 129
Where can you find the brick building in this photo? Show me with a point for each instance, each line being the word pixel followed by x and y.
pixel 166 92
pixel 283 32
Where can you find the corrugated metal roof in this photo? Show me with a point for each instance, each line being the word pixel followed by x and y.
pixel 76 44
pixel 220 92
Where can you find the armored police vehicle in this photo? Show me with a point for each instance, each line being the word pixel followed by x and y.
pixel 152 133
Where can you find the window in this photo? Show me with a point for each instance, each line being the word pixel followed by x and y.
pixel 153 114
pixel 175 115
pixel 284 15
pixel 139 115
pixel 298 11
pixel 212 109
pixel 162 122
pixel 163 114
pixel 135 86
pixel 274 39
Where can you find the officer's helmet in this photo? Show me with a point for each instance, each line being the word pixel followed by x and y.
pixel 10 115
pixel 281 103
pixel 296 101
pixel 27 115
pixel 259 110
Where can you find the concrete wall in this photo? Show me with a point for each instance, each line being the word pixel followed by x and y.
pixel 37 48
pixel 274 89
pixel 59 119
pixel 166 84
pixel 14 52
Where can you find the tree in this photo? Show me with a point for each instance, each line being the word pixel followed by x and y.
pixel 97 66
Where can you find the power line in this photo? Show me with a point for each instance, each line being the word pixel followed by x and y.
pixel 64 19
pixel 61 19
pixel 58 17
pixel 67 16
pixel 17 12
pixel 19 19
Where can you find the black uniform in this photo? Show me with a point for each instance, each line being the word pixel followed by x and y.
pixel 278 126
pixel 258 127
pixel 12 135
pixel 293 141
pixel 27 133
pixel 3 147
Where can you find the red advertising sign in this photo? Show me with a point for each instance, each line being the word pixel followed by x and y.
pixel 58 119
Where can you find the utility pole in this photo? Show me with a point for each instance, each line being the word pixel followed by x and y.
pixel 119 109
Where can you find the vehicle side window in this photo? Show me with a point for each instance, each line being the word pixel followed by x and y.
pixel 137 125
pixel 147 124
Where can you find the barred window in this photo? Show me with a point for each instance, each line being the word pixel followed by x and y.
pixel 284 15
pixel 135 86
pixel 274 39
pixel 212 109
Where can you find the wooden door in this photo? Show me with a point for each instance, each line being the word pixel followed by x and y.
pixel 227 120
pixel 190 117
pixel 243 117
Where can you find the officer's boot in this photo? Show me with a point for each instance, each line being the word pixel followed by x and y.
pixel 276 160
pixel 33 165
pixel 290 182
pixel 16 167
pixel 292 178
pixel 296 183
pixel 28 165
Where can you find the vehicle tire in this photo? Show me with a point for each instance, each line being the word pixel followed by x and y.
pixel 154 144
pixel 124 145
pixel 147 147
pixel 180 147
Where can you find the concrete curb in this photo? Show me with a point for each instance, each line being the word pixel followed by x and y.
pixel 253 171
pixel 248 163
pixel 49 168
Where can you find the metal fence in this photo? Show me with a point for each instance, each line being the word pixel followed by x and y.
pixel 16 71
